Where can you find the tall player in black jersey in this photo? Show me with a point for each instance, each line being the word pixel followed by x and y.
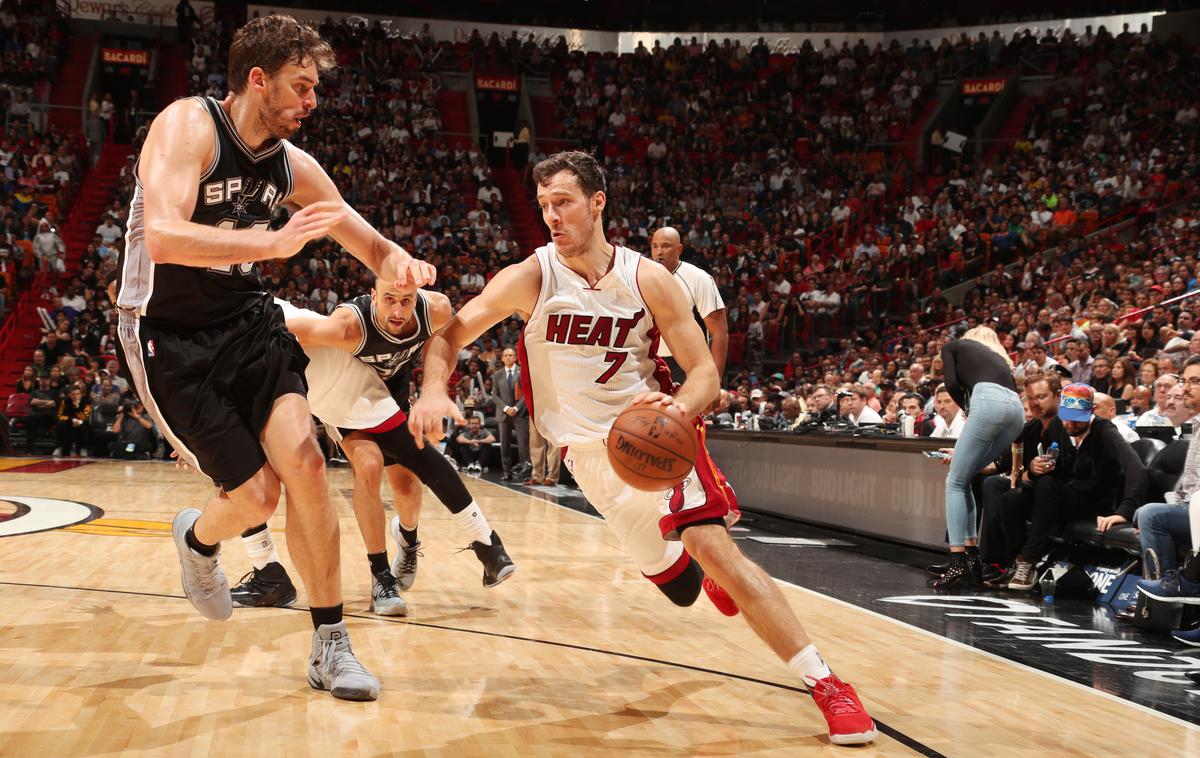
pixel 386 329
pixel 207 348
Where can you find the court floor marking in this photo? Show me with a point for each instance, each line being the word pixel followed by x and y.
pixel 1101 693
pixel 909 742
pixel 1046 674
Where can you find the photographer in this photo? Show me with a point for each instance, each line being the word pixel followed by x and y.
pixel 136 437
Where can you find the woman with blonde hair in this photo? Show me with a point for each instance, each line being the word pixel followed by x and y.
pixel 978 375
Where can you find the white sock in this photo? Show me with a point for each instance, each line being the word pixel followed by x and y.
pixel 809 665
pixel 261 549
pixel 472 521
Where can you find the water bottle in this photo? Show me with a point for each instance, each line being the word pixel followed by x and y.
pixel 1047 584
pixel 1052 454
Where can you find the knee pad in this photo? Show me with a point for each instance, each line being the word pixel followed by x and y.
pixel 680 583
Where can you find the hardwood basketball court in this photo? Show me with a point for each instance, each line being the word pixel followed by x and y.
pixel 577 654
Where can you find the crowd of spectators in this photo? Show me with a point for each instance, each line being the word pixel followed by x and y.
pixel 789 168
pixel 31 41
pixel 39 165
pixel 1095 317
pixel 1116 135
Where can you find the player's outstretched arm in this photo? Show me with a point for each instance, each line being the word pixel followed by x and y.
pixel 385 258
pixel 673 317
pixel 342 329
pixel 513 290
pixel 179 148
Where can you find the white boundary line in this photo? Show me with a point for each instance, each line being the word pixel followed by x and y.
pixel 1045 674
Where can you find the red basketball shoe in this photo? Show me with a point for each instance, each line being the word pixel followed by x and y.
pixel 848 721
pixel 719 597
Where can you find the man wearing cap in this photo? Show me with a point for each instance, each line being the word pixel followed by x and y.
pixel 1093 486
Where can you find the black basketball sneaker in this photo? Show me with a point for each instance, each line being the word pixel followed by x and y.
pixel 268 587
pixel 497 566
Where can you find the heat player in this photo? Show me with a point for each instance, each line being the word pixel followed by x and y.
pixel 349 353
pixel 592 313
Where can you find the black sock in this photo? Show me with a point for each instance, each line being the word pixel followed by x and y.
pixel 254 530
pixel 206 550
pixel 409 535
pixel 323 616
pixel 1191 570
pixel 379 562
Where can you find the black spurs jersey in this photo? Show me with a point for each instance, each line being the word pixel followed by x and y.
pixel 240 190
pixel 380 350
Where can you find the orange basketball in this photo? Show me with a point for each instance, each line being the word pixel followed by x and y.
pixel 652 448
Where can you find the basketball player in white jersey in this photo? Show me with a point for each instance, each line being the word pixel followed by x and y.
pixel 702 294
pixel 592 312
pixel 360 410
pixel 206 347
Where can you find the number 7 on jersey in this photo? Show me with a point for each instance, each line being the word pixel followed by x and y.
pixel 617 359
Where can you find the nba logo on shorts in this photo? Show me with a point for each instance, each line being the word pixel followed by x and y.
pixel 150 348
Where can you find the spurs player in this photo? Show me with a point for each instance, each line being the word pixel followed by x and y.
pixel 207 349
pixel 591 310
pixel 350 397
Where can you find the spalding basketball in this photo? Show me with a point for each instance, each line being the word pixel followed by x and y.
pixel 652 448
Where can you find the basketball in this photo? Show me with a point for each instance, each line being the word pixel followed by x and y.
pixel 651 447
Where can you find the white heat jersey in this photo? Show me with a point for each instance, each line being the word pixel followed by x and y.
pixel 342 390
pixel 587 350
pixel 701 292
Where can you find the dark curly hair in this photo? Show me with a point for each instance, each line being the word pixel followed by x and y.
pixel 586 169
pixel 272 42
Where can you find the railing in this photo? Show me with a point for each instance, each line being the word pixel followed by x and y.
pixel 28 297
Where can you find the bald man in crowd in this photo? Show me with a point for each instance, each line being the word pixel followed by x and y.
pixel 701 291
pixel 1105 407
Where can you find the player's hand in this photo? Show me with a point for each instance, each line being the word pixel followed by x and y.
pixel 180 463
pixel 661 399
pixel 312 222
pixel 949 451
pixel 425 418
pixel 1104 523
pixel 402 268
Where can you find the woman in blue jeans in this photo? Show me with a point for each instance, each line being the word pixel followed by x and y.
pixel 979 377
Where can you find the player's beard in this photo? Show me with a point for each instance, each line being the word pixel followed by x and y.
pixel 275 121
pixel 577 245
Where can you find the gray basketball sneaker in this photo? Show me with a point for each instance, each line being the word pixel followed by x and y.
pixel 385 600
pixel 404 565
pixel 333 667
pixel 204 582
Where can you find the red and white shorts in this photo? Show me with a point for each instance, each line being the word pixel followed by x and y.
pixel 648 523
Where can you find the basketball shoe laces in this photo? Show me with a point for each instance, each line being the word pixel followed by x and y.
pixel 387 584
pixel 338 657
pixel 837 701
pixel 410 558
pixel 206 574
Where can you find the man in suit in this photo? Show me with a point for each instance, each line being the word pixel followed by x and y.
pixel 512 417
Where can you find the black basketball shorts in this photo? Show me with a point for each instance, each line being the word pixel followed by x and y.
pixel 211 388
